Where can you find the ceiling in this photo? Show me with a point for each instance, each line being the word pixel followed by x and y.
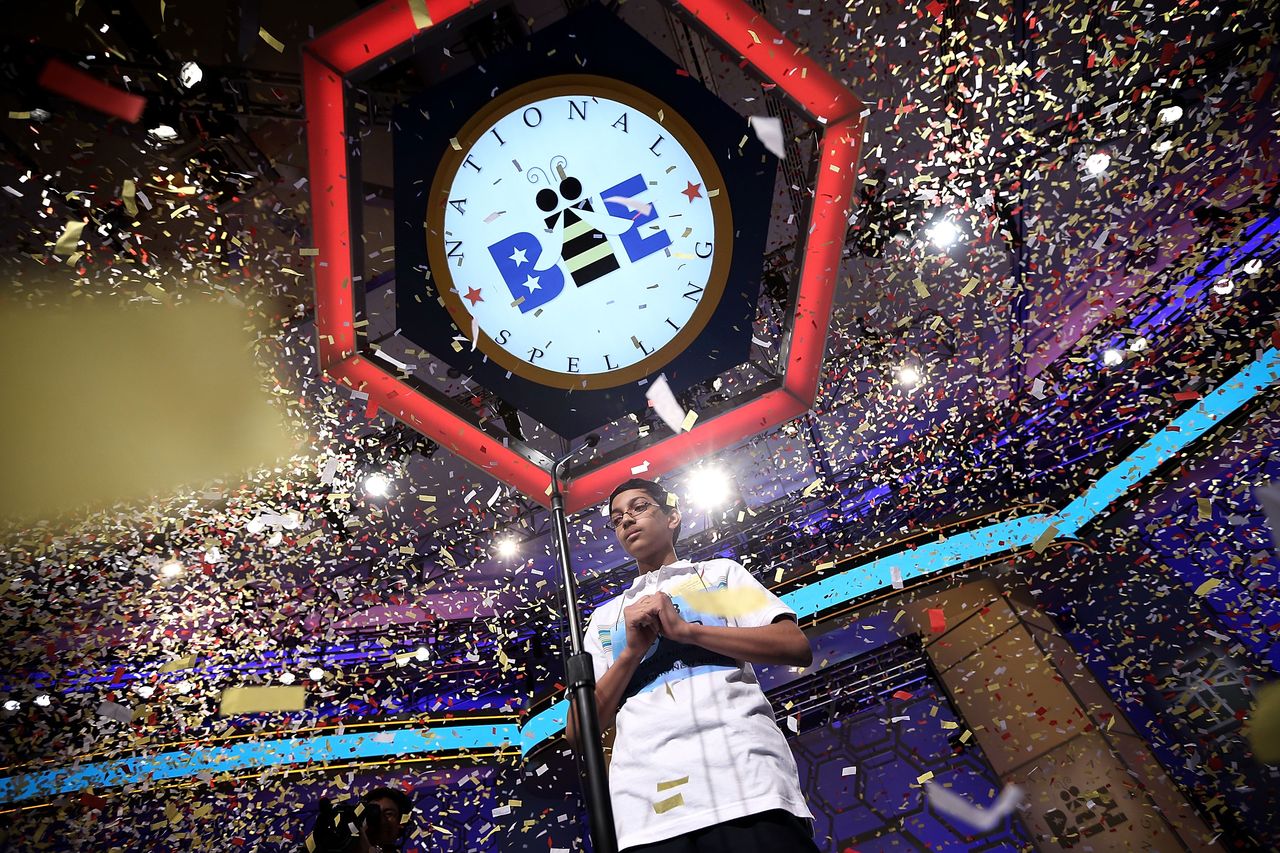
pixel 980 113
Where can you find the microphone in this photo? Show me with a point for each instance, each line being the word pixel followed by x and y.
pixel 590 441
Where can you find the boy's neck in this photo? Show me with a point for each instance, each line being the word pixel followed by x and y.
pixel 646 566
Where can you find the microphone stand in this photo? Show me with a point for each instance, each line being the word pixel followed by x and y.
pixel 580 676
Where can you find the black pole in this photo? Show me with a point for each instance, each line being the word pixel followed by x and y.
pixel 580 677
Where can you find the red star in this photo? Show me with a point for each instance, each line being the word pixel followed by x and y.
pixel 692 191
pixel 474 295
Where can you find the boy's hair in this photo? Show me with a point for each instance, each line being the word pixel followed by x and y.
pixel 659 495
pixel 400 798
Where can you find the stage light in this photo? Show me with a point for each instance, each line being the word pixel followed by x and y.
pixel 286 678
pixel 1112 357
pixel 163 133
pixel 43 700
pixel 12 705
pixel 1138 344
pixel 189 75
pixel 709 488
pixel 508 547
pixel 316 673
pixel 943 233
pixel 1223 285
pixel 1253 266
pixel 1162 146
pixel 377 485
pixel 908 376
pixel 171 569
pixel 1169 115
pixel 1096 163
pixel 422 653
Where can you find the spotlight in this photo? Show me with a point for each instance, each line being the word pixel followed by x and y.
pixel 189 75
pixel 1223 285
pixel 43 700
pixel 1162 146
pixel 286 678
pixel 11 705
pixel 908 376
pixel 943 233
pixel 163 133
pixel 171 569
pixel 316 673
pixel 1169 115
pixel 1112 357
pixel 1253 266
pixel 508 547
pixel 422 653
pixel 709 488
pixel 377 485
pixel 1096 163
pixel 1138 344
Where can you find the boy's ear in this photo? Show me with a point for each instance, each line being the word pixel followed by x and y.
pixel 673 520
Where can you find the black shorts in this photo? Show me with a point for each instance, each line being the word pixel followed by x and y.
pixel 767 832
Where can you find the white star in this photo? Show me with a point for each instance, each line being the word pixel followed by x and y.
pixel 519 257
pixel 531 282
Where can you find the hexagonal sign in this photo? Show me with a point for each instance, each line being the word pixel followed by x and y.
pixel 525 304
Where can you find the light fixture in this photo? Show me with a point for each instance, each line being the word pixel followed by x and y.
pixel 189 74
pixel 943 233
pixel 1223 285
pixel 286 678
pixel 908 376
pixel 377 485
pixel 1253 266
pixel 171 569
pixel 708 487
pixel 1096 163
pixel 1170 114
pixel 1162 146
pixel 163 133
pixel 1138 344
pixel 1112 357
pixel 43 700
pixel 12 704
pixel 508 546
pixel 316 673
pixel 422 653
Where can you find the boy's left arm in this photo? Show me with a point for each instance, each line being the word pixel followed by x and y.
pixel 780 642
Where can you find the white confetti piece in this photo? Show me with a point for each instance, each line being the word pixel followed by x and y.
pixel 665 404
pixel 769 131
pixel 978 818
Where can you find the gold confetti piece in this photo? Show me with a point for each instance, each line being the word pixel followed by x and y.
pixel 308 251
pixel 1205 508
pixel 672 500
pixel 924 777
pixel 667 685
pixel 664 806
pixel 731 602
pixel 254 700
pixel 70 238
pixel 674 783
pixel 1208 586
pixel 19 114
pixel 689 419
pixel 1262 726
pixel 174 392
pixel 180 663
pixel 455 144
pixel 755 38
pixel 271 40
pixel 421 18
pixel 128 195
pixel 1042 541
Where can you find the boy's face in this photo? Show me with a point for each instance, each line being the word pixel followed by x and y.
pixel 642 533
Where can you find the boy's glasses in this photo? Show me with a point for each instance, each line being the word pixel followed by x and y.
pixel 636 510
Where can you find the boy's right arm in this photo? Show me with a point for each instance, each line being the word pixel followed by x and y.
pixel 609 691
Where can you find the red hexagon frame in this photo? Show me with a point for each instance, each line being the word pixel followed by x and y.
pixel 331 58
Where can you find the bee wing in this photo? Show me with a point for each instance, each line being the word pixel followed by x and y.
pixel 551 240
pixel 604 222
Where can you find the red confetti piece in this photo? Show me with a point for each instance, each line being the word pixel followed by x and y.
pixel 72 83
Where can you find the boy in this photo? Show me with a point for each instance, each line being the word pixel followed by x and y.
pixel 699 764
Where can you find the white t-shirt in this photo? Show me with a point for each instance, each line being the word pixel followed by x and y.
pixel 690 712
